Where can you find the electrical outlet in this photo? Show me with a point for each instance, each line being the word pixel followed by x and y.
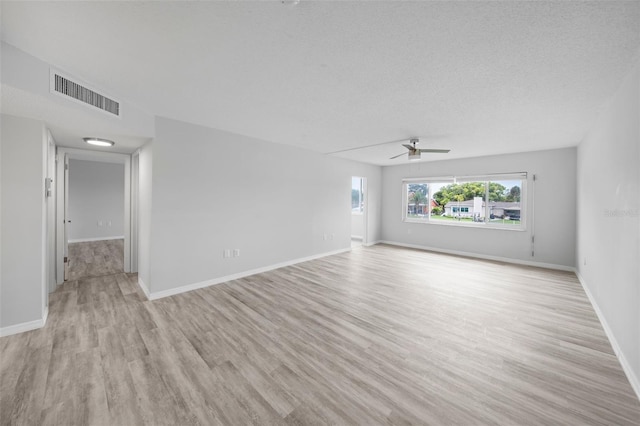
pixel 331 236
pixel 99 223
pixel 236 252
pixel 324 237
pixel 226 253
pixel 109 223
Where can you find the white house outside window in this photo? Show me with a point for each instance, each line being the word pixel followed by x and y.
pixel 494 201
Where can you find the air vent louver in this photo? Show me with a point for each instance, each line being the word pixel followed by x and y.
pixel 76 91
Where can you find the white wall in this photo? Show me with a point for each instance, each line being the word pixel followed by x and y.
pixel 374 214
pixel 214 190
pixel 144 212
pixel 608 236
pixel 96 193
pixel 555 210
pixel 23 247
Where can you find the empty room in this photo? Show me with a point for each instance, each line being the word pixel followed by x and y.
pixel 320 212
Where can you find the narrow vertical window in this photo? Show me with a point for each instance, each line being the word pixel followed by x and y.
pixel 357 195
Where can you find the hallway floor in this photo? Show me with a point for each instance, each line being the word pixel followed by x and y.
pixel 95 258
pixel 377 335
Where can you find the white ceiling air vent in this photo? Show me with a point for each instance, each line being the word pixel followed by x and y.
pixel 62 85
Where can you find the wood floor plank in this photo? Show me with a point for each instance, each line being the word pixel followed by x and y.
pixel 95 258
pixel 90 392
pixel 119 387
pixel 184 374
pixel 156 403
pixel 379 335
pixel 28 395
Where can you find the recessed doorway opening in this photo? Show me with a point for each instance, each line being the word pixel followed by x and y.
pixel 94 235
pixel 358 211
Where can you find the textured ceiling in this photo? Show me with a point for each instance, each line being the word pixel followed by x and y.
pixel 479 77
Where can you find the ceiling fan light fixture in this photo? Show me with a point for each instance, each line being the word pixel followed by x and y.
pixel 414 152
pixel 99 142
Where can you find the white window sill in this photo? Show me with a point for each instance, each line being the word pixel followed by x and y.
pixel 467 225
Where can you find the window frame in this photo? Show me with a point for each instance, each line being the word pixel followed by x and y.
pixel 486 178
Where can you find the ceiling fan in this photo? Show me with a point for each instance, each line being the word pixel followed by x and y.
pixel 414 151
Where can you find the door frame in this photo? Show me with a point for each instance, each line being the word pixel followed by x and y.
pixel 365 209
pixel 62 188
pixel 365 212
pixel 135 191
pixel 50 198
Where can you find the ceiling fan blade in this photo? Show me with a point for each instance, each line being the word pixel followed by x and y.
pixel 440 151
pixel 399 155
pixel 366 146
pixel 408 146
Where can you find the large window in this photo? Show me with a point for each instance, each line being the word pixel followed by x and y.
pixel 488 201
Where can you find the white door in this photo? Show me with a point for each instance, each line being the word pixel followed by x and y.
pixel 50 200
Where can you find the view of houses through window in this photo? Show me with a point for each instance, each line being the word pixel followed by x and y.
pixel 485 200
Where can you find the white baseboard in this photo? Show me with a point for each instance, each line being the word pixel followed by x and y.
pixel 633 379
pixel 25 326
pixel 207 283
pixel 85 240
pixel 483 256
pixel 144 288
pixel 372 243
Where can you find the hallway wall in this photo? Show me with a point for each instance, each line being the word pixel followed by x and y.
pixel 23 291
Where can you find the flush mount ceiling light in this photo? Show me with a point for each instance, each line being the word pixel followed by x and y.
pixel 99 142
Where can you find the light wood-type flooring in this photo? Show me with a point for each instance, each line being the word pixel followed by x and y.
pixel 378 335
pixel 95 258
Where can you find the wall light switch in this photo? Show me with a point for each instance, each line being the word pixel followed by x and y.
pixel 99 223
pixel 226 253
pixel 236 252
pixel 109 223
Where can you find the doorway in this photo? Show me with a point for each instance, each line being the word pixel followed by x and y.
pixel 95 225
pixel 358 211
pixel 94 234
